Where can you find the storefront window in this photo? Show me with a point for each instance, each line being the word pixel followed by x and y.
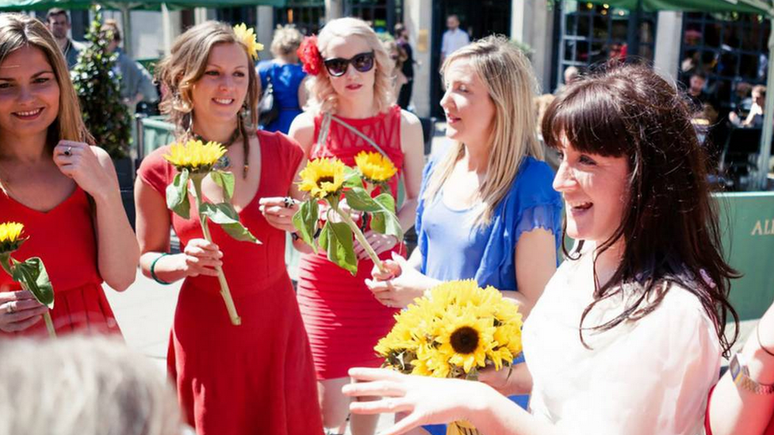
pixel 593 34
pixel 730 49
pixel 307 15
pixel 381 14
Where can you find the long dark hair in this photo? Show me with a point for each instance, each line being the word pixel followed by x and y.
pixel 670 225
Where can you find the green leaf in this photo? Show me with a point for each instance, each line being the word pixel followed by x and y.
pixel 359 199
pixel 305 221
pixel 33 276
pixel 224 215
pixel 385 221
pixel 336 239
pixel 226 181
pixel 352 178
pixel 177 195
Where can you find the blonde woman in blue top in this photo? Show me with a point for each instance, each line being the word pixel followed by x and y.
pixel 487 209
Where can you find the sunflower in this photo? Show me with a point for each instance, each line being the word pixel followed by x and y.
pixel 322 177
pixel 10 236
pixel 248 38
pixel 375 167
pixel 465 338
pixel 431 361
pixel 195 156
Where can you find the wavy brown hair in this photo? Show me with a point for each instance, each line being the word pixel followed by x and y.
pixel 670 226
pixel 186 64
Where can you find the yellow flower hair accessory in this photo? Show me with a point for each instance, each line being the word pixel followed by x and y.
pixel 249 39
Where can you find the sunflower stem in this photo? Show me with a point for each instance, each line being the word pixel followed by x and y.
pixel 5 261
pixel 49 324
pixel 224 290
pixel 360 238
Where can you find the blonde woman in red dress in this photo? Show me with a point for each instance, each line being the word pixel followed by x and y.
pixel 61 187
pixel 350 110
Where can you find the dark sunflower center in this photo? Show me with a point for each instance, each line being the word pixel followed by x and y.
pixel 464 340
pixel 326 179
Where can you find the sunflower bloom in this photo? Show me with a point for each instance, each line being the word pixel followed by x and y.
pixel 375 167
pixel 195 155
pixel 247 37
pixel 11 236
pixel 323 178
pixel 465 339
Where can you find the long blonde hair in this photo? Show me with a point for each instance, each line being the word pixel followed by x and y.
pixel 322 96
pixel 18 31
pixel 186 64
pixel 511 86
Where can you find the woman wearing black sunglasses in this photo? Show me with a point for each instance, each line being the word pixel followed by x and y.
pixel 350 90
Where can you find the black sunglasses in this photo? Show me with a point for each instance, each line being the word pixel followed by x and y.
pixel 362 62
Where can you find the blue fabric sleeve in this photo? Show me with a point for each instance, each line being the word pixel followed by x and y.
pixel 421 236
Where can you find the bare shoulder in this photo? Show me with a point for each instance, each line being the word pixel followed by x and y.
pixel 102 156
pixel 409 119
pixel 302 130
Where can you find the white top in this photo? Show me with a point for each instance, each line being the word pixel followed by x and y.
pixel 453 41
pixel 644 377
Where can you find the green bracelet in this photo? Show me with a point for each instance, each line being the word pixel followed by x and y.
pixel 153 269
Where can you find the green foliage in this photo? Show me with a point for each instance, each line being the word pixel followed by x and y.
pixel 99 92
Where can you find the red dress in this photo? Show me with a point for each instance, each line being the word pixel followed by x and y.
pixel 64 239
pixel 256 378
pixel 342 317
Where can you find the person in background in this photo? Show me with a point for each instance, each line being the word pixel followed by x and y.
pixel 454 38
pixel 755 116
pixel 399 57
pixel 61 187
pixel 58 23
pixel 81 385
pixel 628 334
pixel 136 82
pixel 571 75
pixel 287 77
pixel 402 38
pixel 696 95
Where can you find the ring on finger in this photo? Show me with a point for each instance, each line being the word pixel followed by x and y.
pixel 10 308
pixel 288 202
pixel 69 151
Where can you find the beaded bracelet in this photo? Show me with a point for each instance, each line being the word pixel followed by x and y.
pixel 153 269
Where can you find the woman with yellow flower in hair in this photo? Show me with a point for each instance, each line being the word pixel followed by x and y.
pixel 256 377
pixel 350 111
pixel 63 190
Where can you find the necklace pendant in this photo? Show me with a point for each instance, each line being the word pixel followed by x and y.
pixel 223 163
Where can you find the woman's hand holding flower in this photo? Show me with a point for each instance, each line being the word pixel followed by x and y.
pixel 201 257
pixel 400 284
pixel 19 310
pixel 378 241
pixel 279 212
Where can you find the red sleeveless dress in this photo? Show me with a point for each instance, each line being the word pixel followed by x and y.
pixel 342 317
pixel 64 239
pixel 256 378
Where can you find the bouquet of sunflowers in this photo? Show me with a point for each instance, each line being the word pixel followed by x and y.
pixel 327 180
pixel 456 331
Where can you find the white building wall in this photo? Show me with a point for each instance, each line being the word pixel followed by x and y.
pixel 532 23
pixel 418 19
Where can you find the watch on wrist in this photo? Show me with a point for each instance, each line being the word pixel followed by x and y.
pixel 741 376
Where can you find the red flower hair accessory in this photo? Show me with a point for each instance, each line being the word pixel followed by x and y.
pixel 310 55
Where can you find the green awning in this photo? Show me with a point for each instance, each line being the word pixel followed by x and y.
pixel 744 6
pixel 41 5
